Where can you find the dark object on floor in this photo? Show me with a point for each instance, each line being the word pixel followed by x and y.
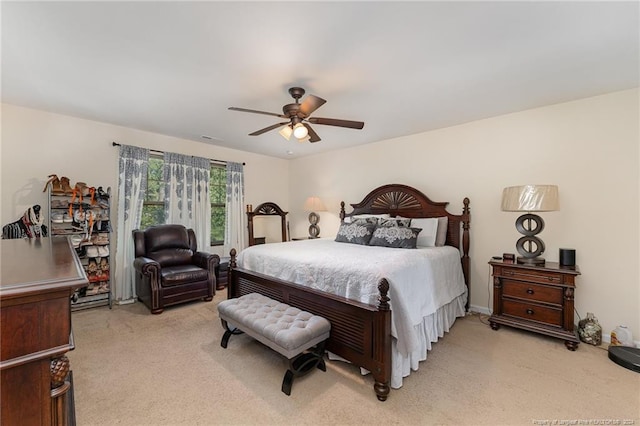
pixel 170 269
pixel 287 330
pixel 590 330
pixel 222 271
pixel 625 356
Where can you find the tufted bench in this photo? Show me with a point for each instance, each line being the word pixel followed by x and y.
pixel 285 329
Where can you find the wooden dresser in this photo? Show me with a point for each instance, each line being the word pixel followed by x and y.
pixel 38 277
pixel 535 298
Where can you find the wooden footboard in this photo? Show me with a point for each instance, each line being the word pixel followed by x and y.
pixel 360 333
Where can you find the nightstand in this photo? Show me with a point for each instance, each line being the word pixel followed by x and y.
pixel 535 298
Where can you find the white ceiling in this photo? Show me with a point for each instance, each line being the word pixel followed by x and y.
pixel 403 68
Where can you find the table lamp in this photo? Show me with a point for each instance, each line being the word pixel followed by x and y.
pixel 313 205
pixel 530 198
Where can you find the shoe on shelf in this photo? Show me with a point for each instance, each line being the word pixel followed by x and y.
pixel 102 194
pixel 57 218
pixel 66 218
pixel 66 185
pixel 56 185
pixel 76 240
pixel 92 266
pixel 92 289
pixel 90 192
pixel 101 239
pixel 104 264
pixel 59 204
pixel 103 251
pixel 92 251
pixel 79 215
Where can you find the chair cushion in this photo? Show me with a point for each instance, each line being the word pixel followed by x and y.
pixel 182 274
pixel 169 257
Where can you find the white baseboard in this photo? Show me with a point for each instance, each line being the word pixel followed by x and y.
pixel 479 309
pixel 125 302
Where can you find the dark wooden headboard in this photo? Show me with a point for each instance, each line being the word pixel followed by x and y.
pixel 405 201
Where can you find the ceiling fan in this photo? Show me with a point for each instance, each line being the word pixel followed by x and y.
pixel 298 116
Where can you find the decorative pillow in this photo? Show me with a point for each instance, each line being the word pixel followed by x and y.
pixel 395 236
pixel 355 233
pixel 441 234
pixel 429 226
pixel 350 219
pixel 366 220
pixel 403 222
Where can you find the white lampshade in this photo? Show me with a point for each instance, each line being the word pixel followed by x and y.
pixel 286 132
pixel 300 131
pixel 530 198
pixel 314 204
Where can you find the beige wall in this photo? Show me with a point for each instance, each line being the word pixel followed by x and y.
pixel 36 144
pixel 589 148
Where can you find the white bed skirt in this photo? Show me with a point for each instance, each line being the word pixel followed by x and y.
pixel 432 328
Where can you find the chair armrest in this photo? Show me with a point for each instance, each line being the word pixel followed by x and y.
pixel 145 265
pixel 206 260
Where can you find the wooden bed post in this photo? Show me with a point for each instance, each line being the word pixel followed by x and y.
pixel 342 212
pixel 382 336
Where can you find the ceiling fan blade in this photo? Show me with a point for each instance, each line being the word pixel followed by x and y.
pixel 335 122
pixel 266 129
pixel 313 136
pixel 257 112
pixel 310 104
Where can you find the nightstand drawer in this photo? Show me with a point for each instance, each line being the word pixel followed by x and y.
pixel 530 275
pixel 529 311
pixel 532 292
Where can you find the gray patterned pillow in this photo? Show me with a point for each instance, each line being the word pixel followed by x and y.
pixel 404 222
pixel 395 237
pixel 366 220
pixel 355 233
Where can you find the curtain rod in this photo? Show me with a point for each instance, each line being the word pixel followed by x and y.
pixel 155 151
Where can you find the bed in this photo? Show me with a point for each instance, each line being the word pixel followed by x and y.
pixel 370 324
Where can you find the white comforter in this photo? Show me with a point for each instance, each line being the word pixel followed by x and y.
pixel 421 280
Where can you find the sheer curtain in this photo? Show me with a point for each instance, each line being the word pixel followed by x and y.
pixel 132 186
pixel 186 200
pixel 235 226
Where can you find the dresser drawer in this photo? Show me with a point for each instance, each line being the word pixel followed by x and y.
pixel 530 275
pixel 532 292
pixel 532 312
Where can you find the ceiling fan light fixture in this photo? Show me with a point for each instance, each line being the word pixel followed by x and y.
pixel 286 132
pixel 300 131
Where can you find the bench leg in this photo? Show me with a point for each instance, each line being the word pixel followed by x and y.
pixel 303 364
pixel 228 333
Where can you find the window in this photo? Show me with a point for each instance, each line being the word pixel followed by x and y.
pixel 153 205
pixel 218 196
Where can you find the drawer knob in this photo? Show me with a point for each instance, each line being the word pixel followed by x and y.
pixel 530 311
pixel 530 291
pixel 550 278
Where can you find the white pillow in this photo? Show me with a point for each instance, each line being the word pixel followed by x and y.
pixel 427 237
pixel 348 219
pixel 441 235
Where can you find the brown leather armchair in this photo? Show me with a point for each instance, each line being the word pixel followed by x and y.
pixel 169 269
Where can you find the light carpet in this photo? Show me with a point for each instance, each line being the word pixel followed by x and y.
pixel 134 368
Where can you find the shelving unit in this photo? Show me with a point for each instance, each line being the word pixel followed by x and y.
pixel 86 221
